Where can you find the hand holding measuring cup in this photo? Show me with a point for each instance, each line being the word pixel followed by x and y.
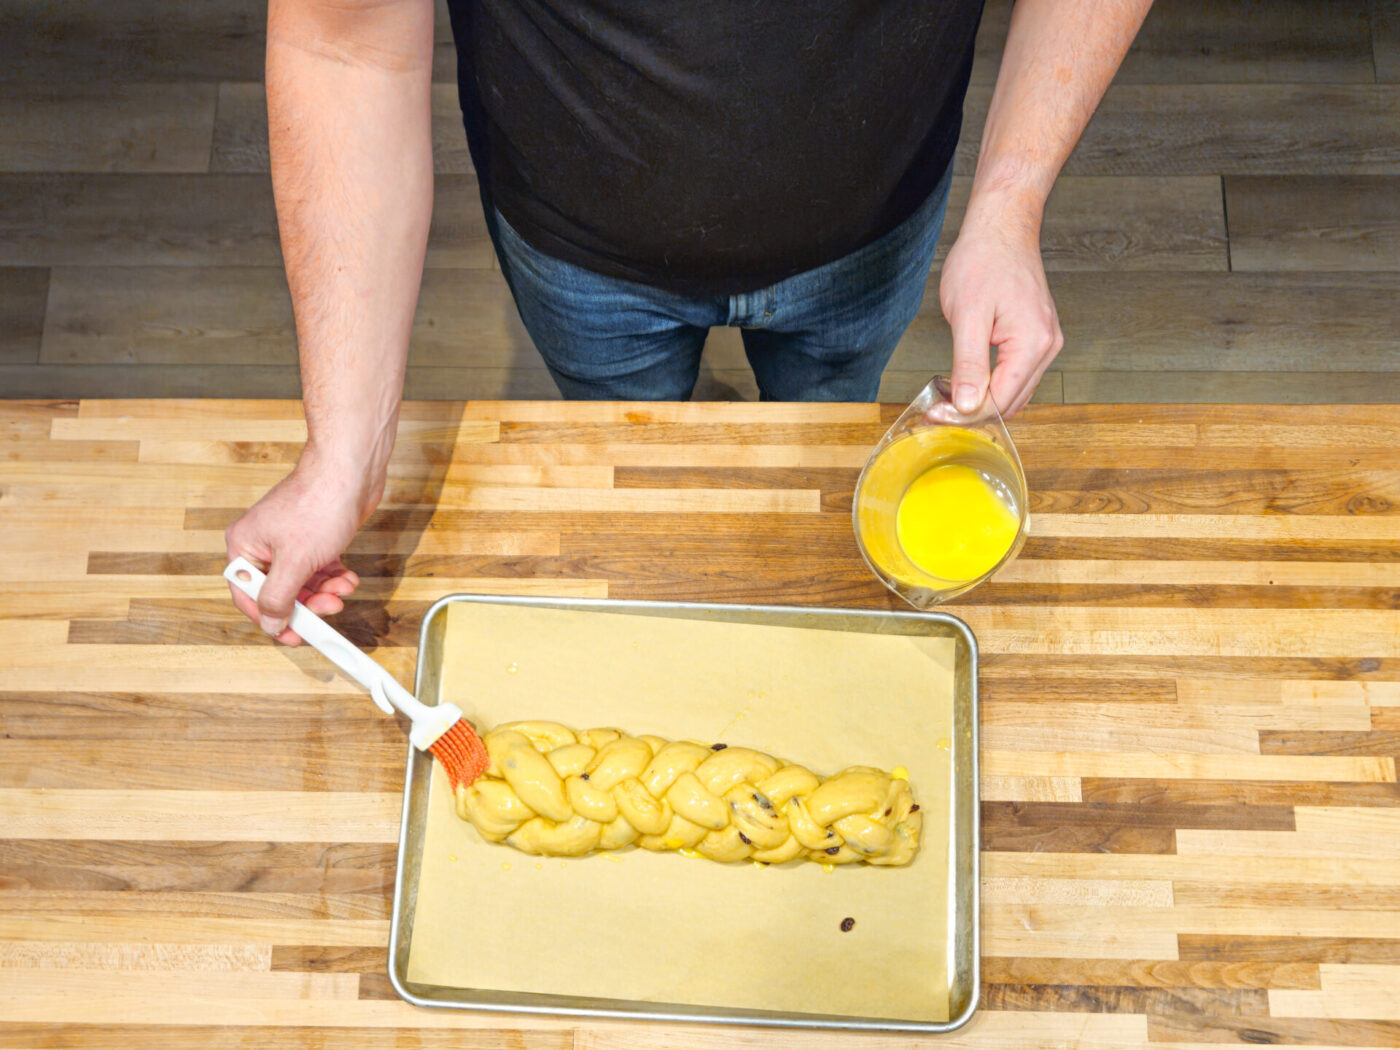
pixel 941 503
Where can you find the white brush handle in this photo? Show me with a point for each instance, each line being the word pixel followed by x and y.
pixel 429 723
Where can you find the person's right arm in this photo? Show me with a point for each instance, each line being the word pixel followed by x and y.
pixel 349 130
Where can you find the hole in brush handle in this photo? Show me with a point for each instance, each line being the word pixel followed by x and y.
pixel 246 576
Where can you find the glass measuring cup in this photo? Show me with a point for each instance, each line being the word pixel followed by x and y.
pixel 933 433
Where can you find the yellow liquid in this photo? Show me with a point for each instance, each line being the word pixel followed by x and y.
pixel 953 524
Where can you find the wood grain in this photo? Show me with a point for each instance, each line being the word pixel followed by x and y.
pixel 120 380
pixel 1365 992
pixel 284 381
pixel 1191 700
pixel 1162 973
pixel 1314 222
pixel 222 816
pixel 138 868
pixel 1227 129
pixel 1317 950
pixel 129 127
pixel 1230 41
pixel 23 298
pixel 1303 387
pixel 1237 792
pixel 1385 40
pixel 132 41
pixel 153 41
pixel 186 220
pixel 288 1037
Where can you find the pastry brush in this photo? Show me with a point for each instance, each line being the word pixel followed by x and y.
pixel 441 730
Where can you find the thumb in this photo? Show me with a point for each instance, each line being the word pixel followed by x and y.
pixel 285 577
pixel 972 336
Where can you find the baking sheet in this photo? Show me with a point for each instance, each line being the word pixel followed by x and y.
pixel 664 928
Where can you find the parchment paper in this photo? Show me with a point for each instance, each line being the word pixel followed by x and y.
pixel 667 928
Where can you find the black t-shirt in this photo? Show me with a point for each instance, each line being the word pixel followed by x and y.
pixel 710 148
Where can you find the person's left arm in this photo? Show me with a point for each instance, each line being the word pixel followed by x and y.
pixel 1060 56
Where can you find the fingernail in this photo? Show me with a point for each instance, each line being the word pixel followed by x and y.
pixel 272 626
pixel 967 398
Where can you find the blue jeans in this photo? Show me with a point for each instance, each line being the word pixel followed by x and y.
pixel 822 335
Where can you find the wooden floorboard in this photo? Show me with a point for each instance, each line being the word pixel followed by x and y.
pixel 123 220
pixel 190 220
pixel 1229 41
pixel 62 381
pixel 1314 222
pixel 168 315
pixel 104 41
pixel 22 299
pixel 1218 387
pixel 1227 129
pixel 128 41
pixel 108 127
pixel 1385 40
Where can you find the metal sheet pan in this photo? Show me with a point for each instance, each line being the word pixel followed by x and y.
pixel 963 823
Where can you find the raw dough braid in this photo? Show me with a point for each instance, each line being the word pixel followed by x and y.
pixel 555 791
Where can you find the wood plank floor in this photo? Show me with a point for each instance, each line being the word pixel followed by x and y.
pixel 1228 230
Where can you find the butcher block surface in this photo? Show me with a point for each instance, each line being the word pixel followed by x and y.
pixel 1190 709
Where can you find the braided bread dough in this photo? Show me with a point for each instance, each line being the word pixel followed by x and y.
pixel 551 790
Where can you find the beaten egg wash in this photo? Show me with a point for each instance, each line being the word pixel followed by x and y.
pixel 953 524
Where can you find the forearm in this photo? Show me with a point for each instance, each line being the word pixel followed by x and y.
pixel 1060 56
pixel 351 149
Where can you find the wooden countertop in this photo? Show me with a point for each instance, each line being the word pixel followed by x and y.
pixel 1191 709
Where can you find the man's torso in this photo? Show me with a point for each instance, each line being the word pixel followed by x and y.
pixel 717 147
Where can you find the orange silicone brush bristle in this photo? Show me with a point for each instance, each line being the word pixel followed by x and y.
pixel 462 754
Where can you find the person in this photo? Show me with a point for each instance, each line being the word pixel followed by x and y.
pixel 649 170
